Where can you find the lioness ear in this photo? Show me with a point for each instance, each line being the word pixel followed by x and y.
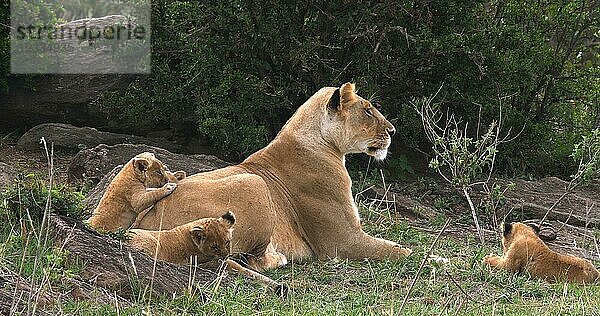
pixel 507 227
pixel 198 233
pixel 180 175
pixel 347 93
pixel 141 164
pixel 536 227
pixel 228 218
pixel 334 101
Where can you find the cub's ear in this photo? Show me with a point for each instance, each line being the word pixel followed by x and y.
pixel 334 101
pixel 141 164
pixel 180 175
pixel 506 228
pixel 228 218
pixel 535 226
pixel 198 233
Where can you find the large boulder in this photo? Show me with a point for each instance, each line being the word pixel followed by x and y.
pixel 69 137
pixel 7 175
pixel 535 198
pixel 58 98
pixel 93 164
pixel 100 165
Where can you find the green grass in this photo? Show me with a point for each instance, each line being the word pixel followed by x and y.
pixel 339 287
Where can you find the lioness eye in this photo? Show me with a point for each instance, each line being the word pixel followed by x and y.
pixel 369 112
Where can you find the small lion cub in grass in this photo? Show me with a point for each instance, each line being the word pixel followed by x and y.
pixel 525 251
pixel 206 239
pixel 140 184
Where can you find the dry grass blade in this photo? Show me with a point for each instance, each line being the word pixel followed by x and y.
pixel 412 284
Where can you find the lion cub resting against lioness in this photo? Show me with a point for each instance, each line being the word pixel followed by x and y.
pixel 524 250
pixel 207 240
pixel 142 182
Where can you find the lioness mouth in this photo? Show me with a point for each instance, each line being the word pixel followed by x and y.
pixel 372 149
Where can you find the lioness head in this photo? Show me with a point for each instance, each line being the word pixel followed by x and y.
pixel 357 124
pixel 150 170
pixel 212 236
pixel 511 230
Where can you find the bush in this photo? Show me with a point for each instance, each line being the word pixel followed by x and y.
pixel 28 196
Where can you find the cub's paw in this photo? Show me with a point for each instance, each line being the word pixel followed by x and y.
pixel 170 187
pixel 490 259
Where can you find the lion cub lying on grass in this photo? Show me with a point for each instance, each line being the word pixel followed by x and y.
pixel 206 239
pixel 524 250
pixel 142 182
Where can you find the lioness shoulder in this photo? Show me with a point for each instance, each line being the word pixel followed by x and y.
pixel 142 182
pixel 525 251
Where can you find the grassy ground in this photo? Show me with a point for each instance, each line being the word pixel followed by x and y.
pixel 338 287
pixel 330 287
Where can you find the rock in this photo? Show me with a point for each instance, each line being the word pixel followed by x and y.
pixel 58 98
pixel 110 264
pixel 69 137
pixel 534 198
pixel 7 175
pixel 399 202
pixel 93 164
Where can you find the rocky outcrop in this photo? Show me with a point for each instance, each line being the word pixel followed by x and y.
pixel 93 164
pixel 69 137
pixel 534 199
pixel 110 264
pixel 7 175
pixel 56 98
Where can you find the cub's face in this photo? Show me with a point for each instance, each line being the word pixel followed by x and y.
pixel 511 230
pixel 212 236
pixel 150 170
pixel 364 128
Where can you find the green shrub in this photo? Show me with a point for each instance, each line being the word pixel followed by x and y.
pixel 28 198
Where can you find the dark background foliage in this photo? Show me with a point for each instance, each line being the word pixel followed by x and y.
pixel 235 71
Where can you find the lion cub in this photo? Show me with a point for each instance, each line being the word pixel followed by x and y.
pixel 524 250
pixel 140 184
pixel 208 239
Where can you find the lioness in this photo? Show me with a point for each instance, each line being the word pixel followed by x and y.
pixel 142 182
pixel 293 198
pixel 525 251
pixel 204 241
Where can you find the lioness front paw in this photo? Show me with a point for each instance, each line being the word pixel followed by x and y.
pixel 170 187
pixel 403 251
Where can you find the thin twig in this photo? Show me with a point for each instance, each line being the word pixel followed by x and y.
pixel 412 284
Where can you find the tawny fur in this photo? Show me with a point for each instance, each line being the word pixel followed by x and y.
pixel 207 239
pixel 140 184
pixel 525 251
pixel 293 198
pixel 206 242
pixel 173 178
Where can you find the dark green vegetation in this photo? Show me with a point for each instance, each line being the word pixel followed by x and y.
pixel 236 70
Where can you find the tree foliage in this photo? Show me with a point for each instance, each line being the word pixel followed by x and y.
pixel 236 70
